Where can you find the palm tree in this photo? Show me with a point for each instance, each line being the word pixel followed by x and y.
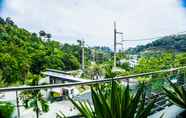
pixel 9 21
pixel 2 21
pixel 95 72
pixel 34 99
pixel 42 33
pixel 48 36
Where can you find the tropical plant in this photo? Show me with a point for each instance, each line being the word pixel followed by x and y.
pixel 108 72
pixel 94 72
pixel 6 109
pixel 177 94
pixel 34 99
pixel 120 103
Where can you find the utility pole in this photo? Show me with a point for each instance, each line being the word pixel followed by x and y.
pixel 17 105
pixel 115 31
pixel 83 55
pixel 115 43
pixel 94 55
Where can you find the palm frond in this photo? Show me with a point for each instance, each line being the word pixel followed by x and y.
pixel 120 103
pixel 177 94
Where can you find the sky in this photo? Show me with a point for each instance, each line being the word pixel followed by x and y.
pixel 92 20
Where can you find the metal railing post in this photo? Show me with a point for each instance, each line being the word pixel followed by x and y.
pixel 17 104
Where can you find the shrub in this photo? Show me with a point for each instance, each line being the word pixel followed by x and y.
pixel 6 109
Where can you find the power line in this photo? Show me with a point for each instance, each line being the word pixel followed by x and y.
pixel 116 42
pixel 151 39
pixel 91 82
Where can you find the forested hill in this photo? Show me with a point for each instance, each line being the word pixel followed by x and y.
pixel 168 43
pixel 24 54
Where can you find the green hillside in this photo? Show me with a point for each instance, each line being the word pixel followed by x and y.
pixel 168 43
pixel 24 54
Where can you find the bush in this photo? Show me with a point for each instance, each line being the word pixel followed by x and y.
pixel 6 109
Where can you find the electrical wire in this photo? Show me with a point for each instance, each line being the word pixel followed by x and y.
pixel 155 38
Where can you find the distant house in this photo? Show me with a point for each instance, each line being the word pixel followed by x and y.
pixel 132 61
pixel 58 77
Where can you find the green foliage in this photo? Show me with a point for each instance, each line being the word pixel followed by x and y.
pixel 2 83
pixel 156 85
pixel 177 95
pixel 143 79
pixel 94 72
pixel 102 54
pixel 120 55
pixel 108 71
pixel 76 51
pixel 171 43
pixel 180 59
pixel 23 53
pixel 154 63
pixel 119 103
pixel 70 62
pixel 34 100
pixel 125 66
pixel 6 109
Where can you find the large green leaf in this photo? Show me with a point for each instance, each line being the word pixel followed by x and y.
pixel 177 95
pixel 120 103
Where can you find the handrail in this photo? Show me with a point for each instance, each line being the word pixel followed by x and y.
pixel 88 82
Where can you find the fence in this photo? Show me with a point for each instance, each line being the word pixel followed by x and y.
pixel 174 73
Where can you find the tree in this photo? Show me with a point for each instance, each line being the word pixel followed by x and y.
pixel 2 21
pixel 70 62
pixel 22 52
pixel 48 36
pixel 180 59
pixel 175 43
pixel 125 66
pixel 94 72
pixel 2 82
pixel 154 63
pixel 34 99
pixel 9 21
pixel 42 33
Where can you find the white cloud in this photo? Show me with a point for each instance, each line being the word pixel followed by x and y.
pixel 69 20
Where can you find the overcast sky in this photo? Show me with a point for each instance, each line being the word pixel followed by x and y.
pixel 92 20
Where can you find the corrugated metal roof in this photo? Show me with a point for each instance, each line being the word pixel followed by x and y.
pixel 63 76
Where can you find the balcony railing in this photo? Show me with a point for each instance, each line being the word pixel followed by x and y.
pixel 154 90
